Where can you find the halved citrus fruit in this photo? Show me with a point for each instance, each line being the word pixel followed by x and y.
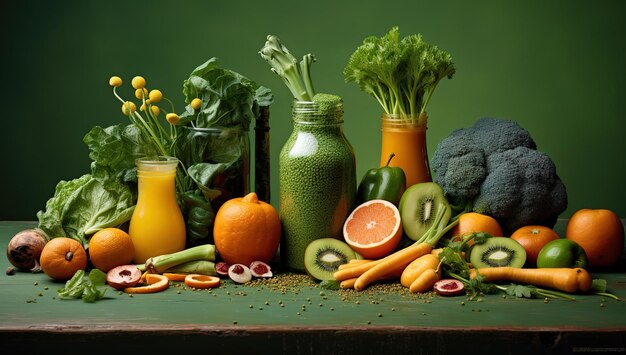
pixel 373 229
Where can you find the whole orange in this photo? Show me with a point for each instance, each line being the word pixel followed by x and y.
pixel 61 257
pixel 533 238
pixel 473 222
pixel 246 230
pixel 110 247
pixel 600 232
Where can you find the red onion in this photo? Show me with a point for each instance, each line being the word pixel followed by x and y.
pixel 24 249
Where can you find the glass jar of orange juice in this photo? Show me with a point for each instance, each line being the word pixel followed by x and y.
pixel 405 136
pixel 157 225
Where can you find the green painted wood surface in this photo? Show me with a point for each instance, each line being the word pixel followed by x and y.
pixel 253 306
pixel 30 309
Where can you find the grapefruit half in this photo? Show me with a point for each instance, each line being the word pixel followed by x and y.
pixel 373 229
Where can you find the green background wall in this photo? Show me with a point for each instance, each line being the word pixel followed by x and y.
pixel 555 67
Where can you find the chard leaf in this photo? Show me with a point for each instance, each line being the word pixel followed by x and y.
pixel 203 175
pixel 228 98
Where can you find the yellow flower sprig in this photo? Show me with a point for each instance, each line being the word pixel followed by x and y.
pixel 150 127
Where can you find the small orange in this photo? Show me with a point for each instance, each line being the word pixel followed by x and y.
pixel 373 229
pixel 532 239
pixel 61 257
pixel 246 230
pixel 110 247
pixel 600 233
pixel 473 222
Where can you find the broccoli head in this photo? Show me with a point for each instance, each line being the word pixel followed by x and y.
pixel 494 168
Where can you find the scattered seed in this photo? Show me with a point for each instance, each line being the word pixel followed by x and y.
pixel 40 294
pixel 35 283
pixel 10 271
pixel 601 304
pixel 46 288
pixel 332 308
pixel 130 295
pixel 462 303
pixel 234 322
pixel 250 306
pixel 393 309
pixel 380 315
pixel 260 308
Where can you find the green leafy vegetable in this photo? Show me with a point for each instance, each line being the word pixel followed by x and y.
pixel 401 74
pixel 83 206
pixel 89 289
pixel 296 75
pixel 229 99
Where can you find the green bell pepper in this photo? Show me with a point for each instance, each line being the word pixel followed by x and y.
pixel 384 183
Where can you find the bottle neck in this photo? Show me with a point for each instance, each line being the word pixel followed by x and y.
pixel 317 113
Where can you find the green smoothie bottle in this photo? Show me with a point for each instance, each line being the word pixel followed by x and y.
pixel 317 177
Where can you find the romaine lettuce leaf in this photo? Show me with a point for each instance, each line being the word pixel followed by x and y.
pixel 83 206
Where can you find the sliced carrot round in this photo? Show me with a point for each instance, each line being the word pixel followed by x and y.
pixel 156 283
pixel 202 281
pixel 175 276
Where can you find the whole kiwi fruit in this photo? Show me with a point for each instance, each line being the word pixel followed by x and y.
pixel 322 257
pixel 419 206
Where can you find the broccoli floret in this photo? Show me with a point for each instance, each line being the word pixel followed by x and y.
pixel 494 168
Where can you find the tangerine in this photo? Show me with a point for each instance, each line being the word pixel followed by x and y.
pixel 373 229
pixel 246 230
pixel 532 238
pixel 474 222
pixel 61 257
pixel 110 247
pixel 600 233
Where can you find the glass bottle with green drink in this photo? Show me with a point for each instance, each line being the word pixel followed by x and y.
pixel 317 168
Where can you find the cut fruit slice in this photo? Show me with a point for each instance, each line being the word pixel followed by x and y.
pixel 373 229
pixel 498 251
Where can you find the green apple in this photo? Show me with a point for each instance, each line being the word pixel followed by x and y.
pixel 562 253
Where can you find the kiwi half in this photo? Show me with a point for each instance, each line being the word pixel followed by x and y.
pixel 322 257
pixel 498 251
pixel 419 206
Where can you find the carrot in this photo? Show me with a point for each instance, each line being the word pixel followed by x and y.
pixel 353 263
pixel 425 281
pixel 399 259
pixel 568 280
pixel 156 283
pixel 417 267
pixel 175 276
pixel 356 271
pixel 348 283
pixel 202 281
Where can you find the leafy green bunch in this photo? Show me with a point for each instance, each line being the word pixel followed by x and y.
pixel 106 197
pixel 401 74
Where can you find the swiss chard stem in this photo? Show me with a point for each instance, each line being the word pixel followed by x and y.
pixel 159 264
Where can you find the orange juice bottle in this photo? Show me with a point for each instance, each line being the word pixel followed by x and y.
pixel 406 137
pixel 157 226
